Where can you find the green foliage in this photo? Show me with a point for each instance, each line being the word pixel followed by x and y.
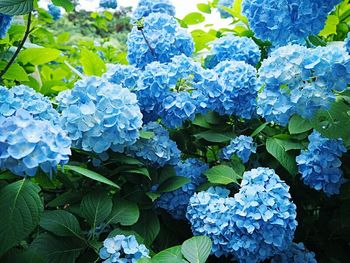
pixel 16 7
pixel 197 249
pixel 222 174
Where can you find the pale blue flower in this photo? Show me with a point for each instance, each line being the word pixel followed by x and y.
pixel 124 75
pixel 146 7
pixel 225 3
pixel 242 146
pixel 54 11
pixel 27 144
pixel 113 4
pixel 319 165
pixel 295 253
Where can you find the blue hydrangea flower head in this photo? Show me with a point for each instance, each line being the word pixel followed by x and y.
pixel 158 151
pixel 226 3
pixel 23 97
pixel 287 21
pixel 27 144
pixel 5 23
pixel 99 115
pixel 160 39
pixel 236 89
pixel 319 165
pixel 168 90
pixel 295 253
pixel 54 11
pixel 124 75
pixel 113 4
pixel 298 80
pixel 264 216
pixel 123 249
pixel 347 43
pixel 232 47
pixel 147 7
pixel 175 202
pixel 242 146
pixel 210 213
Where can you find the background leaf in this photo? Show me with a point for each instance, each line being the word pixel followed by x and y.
pixel 197 249
pixel 92 64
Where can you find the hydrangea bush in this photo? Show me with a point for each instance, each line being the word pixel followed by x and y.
pixel 139 136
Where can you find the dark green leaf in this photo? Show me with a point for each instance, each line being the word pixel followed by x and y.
pixel 61 223
pixel 16 7
pixel 286 159
pixel 90 174
pixel 66 4
pixel 197 249
pixel 222 174
pixel 124 212
pixel 173 183
pixel 140 170
pixel 20 209
pixel 298 125
pixel 212 136
pixel 259 129
pixel 96 207
pixel 148 226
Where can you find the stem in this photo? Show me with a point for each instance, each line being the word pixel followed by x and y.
pixel 26 34
pixel 148 44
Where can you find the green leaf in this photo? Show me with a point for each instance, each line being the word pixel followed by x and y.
pixel 335 122
pixel 201 39
pixel 147 226
pixel 331 26
pixel 96 207
pixel 57 249
pixel 20 210
pixel 16 72
pixel 92 64
pixel 38 56
pixel 61 223
pixel 298 125
pixel 222 174
pixel 16 7
pixel 259 129
pixel 140 170
pixel 153 196
pixel 66 4
pixel 193 18
pixel 204 8
pixel 173 183
pixel 286 159
pixel 90 174
pixel 124 212
pixel 146 134
pixel 197 249
pixel 290 144
pixel 212 136
pixel 169 255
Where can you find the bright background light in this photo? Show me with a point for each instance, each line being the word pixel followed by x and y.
pixel 182 9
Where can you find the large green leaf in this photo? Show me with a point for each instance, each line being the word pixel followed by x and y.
pixel 90 174
pixel 148 226
pixel 16 72
pixel 66 4
pixel 212 136
pixel 96 207
pixel 173 183
pixel 170 255
pixel 298 125
pixel 124 212
pixel 197 249
pixel 57 249
pixel 20 210
pixel 222 174
pixel 16 7
pixel 61 223
pixel 38 56
pixel 193 18
pixel 92 63
pixel 276 148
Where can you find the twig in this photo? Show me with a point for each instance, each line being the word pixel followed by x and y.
pixel 26 34
pixel 148 44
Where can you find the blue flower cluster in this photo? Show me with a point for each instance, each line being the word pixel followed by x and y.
pixel 175 202
pixel 236 89
pixel 287 21
pixel 99 115
pixel 225 3
pixel 113 4
pixel 319 165
pixel 347 43
pixel 231 47
pixel 295 253
pixel 54 11
pixel 27 144
pixel 147 7
pixel 122 249
pixel 160 39
pixel 257 223
pixel 170 91
pixel 242 146
pixel 298 80
pixel 124 75
pixel 5 23
pixel 158 151
pixel 23 97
